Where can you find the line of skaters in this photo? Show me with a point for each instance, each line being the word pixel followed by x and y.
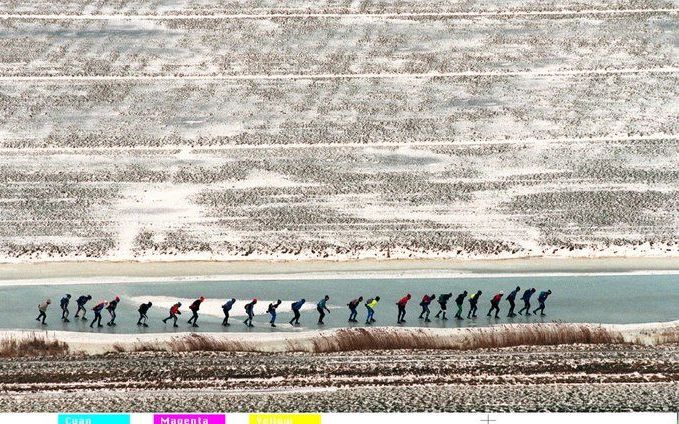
pixel 321 306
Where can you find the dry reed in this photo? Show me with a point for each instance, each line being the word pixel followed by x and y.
pixel 33 345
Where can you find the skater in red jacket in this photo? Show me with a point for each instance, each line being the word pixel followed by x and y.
pixel 495 304
pixel 402 308
pixel 426 301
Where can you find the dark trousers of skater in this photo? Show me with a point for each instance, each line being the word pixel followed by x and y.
pixel 194 319
pixel 401 314
pixel 248 320
pixel 526 307
pixel 321 315
pixel 295 318
pixel 494 306
pixel 352 313
pixel 458 315
pixel 41 316
pixel 425 313
pixel 541 308
pixel 443 307
pixel 80 308
pixel 97 319
pixel 173 317
pixel 112 312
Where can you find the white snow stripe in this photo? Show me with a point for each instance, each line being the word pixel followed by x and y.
pixel 173 147
pixel 336 15
pixel 530 73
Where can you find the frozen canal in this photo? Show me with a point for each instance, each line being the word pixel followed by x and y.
pixel 584 298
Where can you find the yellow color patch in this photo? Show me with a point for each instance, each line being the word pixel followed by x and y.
pixel 285 419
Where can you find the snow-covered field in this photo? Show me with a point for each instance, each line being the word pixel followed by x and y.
pixel 543 378
pixel 579 377
pixel 340 130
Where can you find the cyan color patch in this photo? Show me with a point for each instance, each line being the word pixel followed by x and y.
pixel 94 419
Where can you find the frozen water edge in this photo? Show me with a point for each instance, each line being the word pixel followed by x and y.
pixel 648 334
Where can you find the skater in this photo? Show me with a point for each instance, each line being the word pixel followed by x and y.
pixel 64 307
pixel 459 301
pixel 511 297
pixel 370 305
pixel 272 310
pixel 81 301
pixel 227 308
pixel 174 311
pixel 400 319
pixel 295 310
pixel 426 301
pixel 42 311
pixel 111 308
pixel 526 301
pixel 143 309
pixel 443 305
pixel 495 304
pixel 542 298
pixel 352 308
pixel 473 304
pixel 322 308
pixel 97 313
pixel 195 307
pixel 250 310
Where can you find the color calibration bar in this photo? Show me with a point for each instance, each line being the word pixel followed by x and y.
pixel 340 418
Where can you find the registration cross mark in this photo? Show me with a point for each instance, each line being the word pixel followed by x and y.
pixel 487 420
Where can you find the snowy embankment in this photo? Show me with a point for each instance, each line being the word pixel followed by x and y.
pixel 360 338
